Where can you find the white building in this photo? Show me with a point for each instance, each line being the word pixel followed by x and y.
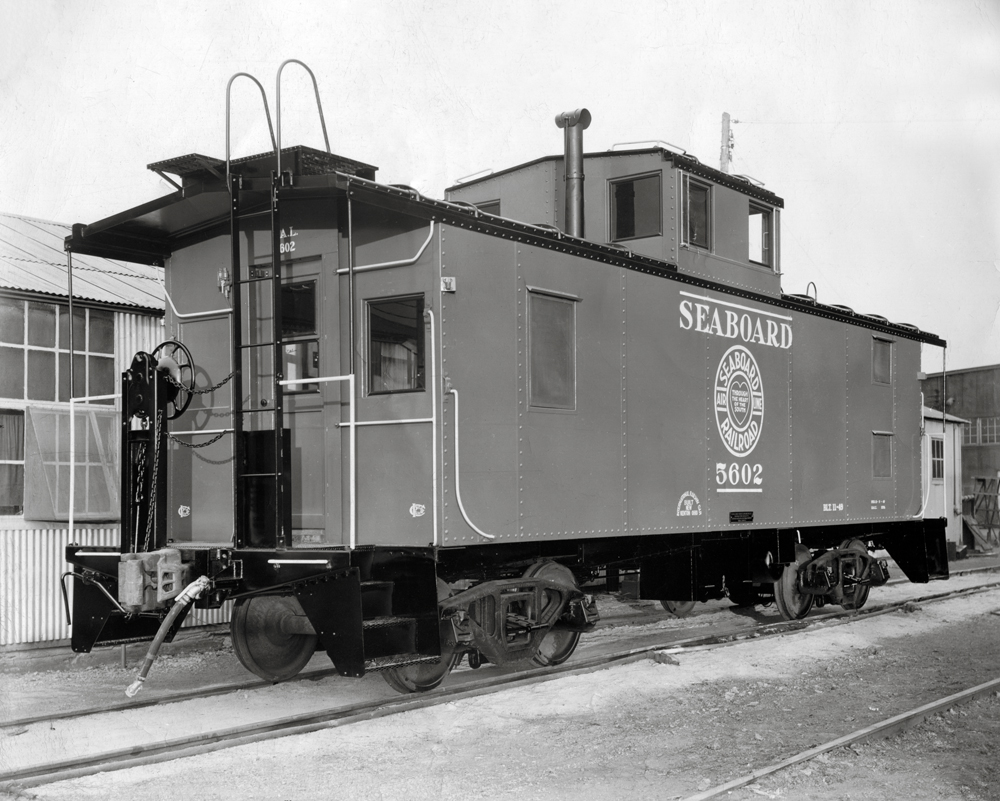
pixel 942 469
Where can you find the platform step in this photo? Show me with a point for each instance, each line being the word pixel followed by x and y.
pixel 398 660
pixel 388 621
pixel 376 599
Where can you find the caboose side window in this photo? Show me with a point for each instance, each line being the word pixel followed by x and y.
pixel 395 345
pixel 881 454
pixel 300 351
pixel 759 235
pixel 552 351
pixel 489 206
pixel 881 361
pixel 635 208
pixel 696 205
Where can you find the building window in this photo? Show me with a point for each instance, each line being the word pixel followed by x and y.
pixel 396 345
pixel 552 350
pixel 881 454
pixel 989 430
pixel 760 235
pixel 47 462
pixel 635 208
pixel 969 434
pixel 937 458
pixel 490 207
pixel 11 462
pixel 34 351
pixel 881 361
pixel 696 205
pixel 300 345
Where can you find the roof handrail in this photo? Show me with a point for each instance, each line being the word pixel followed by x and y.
pixel 267 112
pixel 319 105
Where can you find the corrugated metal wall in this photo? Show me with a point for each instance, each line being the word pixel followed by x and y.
pixel 133 333
pixel 31 562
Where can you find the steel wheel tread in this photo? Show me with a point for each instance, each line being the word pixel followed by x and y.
pixel 260 644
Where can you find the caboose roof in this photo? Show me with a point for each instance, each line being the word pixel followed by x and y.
pixel 683 161
pixel 151 232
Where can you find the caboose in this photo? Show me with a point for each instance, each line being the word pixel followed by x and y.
pixel 404 430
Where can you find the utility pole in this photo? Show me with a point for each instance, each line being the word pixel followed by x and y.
pixel 726 152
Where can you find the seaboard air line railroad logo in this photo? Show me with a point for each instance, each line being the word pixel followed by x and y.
pixel 739 401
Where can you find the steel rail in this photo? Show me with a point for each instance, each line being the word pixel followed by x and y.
pixel 304 723
pixel 673 646
pixel 883 729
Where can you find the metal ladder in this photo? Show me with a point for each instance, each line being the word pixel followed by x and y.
pixel 261 450
pixel 260 462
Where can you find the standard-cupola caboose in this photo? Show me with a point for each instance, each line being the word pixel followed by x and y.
pixel 405 430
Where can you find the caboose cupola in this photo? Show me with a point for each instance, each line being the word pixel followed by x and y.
pixel 654 201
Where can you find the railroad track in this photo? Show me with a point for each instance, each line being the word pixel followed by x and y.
pixel 200 743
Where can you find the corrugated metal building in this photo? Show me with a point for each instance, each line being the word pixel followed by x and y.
pixel 117 311
pixel 972 394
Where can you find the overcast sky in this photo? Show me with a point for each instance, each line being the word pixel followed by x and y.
pixel 877 122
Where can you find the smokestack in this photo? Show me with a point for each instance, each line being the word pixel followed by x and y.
pixel 574 123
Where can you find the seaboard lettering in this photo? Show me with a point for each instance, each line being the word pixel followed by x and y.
pixel 708 316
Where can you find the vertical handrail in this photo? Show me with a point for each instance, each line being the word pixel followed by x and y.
pixel 72 389
pixel 434 430
pixel 458 479
pixel 280 496
pixel 236 337
pixel 319 105
pixel 267 112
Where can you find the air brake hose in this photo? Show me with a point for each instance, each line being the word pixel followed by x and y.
pixel 188 594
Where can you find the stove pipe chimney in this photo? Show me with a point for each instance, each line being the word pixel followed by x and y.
pixel 574 122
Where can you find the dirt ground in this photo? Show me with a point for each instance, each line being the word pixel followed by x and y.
pixel 662 729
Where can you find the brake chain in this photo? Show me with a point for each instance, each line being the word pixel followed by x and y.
pixel 179 441
pixel 152 483
pixel 191 390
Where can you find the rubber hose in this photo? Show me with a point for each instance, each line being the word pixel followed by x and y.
pixel 188 594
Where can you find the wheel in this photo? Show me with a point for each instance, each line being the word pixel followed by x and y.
pixel 857 595
pixel 558 645
pixel 175 358
pixel 259 642
pixel 426 676
pixel 421 678
pixel 677 608
pixel 790 600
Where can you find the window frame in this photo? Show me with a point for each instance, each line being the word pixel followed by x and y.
pixel 15 462
pixel 937 460
pixel 767 234
pixel 60 353
pixel 882 436
pixel 421 355
pixel 483 204
pixel 889 344
pixel 556 296
pixel 302 337
pixel 612 205
pixel 685 215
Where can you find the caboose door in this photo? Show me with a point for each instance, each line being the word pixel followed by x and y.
pixel 393 364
